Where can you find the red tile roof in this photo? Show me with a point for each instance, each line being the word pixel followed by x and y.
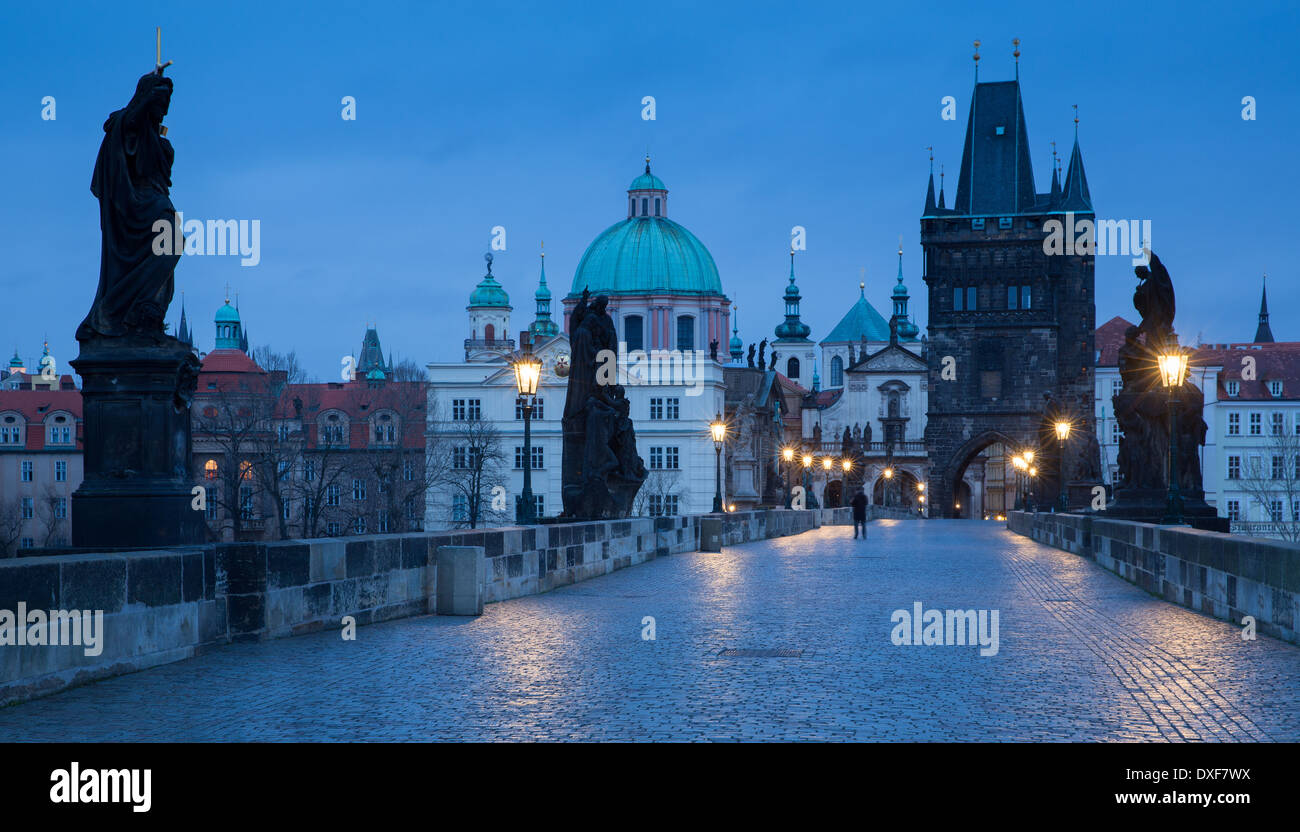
pixel 35 405
pixel 1273 362
pixel 1109 338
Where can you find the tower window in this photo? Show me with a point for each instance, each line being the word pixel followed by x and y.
pixel 792 369
pixel 644 209
pixel 656 206
pixel 489 333
pixel 971 304
pixel 958 296
pixel 837 372
pixel 1013 297
pixel 1024 297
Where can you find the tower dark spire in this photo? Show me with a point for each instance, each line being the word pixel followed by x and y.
pixel 996 176
pixel 1263 333
pixel 1054 199
pixel 929 192
pixel 1076 196
pixel 941 200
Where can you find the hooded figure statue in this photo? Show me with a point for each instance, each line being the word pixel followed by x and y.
pixel 131 181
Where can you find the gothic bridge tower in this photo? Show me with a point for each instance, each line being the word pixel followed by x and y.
pixel 1010 324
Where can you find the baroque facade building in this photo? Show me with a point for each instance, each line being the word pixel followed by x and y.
pixel 666 301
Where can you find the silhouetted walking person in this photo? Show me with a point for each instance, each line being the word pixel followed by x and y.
pixel 859 503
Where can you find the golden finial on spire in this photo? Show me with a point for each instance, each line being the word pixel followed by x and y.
pixel 977 51
pixel 900 245
pixel 1016 54
pixel 227 294
pixel 543 248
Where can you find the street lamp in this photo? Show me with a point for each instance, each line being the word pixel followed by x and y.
pixel 1173 369
pixel 807 476
pixel 787 454
pixel 719 431
pixel 889 476
pixel 528 372
pixel 1018 462
pixel 1062 434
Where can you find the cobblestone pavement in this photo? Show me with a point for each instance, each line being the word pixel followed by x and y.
pixel 1083 656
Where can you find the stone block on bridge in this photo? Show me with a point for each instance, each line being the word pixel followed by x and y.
pixel 711 533
pixel 462 573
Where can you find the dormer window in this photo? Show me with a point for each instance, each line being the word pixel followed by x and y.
pixel 1275 389
pixel 1234 387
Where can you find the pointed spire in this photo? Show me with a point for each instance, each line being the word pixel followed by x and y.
pixel 736 347
pixel 929 193
pixel 542 325
pixel 1055 196
pixel 1263 333
pixel 941 200
pixel 1076 196
pixel 792 329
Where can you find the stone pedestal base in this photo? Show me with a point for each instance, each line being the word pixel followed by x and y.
pixel 1147 505
pixel 137 486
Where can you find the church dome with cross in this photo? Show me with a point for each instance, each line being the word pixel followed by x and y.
pixel 663 285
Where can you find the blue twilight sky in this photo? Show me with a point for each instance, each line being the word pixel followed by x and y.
pixel 477 114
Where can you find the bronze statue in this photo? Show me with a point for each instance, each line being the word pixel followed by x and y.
pixel 601 471
pixel 131 180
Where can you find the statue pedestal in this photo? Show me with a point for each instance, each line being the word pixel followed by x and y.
pixel 137 486
pixel 1147 505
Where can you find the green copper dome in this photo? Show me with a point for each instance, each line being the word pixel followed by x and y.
pixel 489 293
pixel 647 253
pixel 647 182
pixel 227 314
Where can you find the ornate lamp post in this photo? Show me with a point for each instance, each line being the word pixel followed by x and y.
pixel 1173 369
pixel 1018 462
pixel 787 454
pixel 807 476
pixel 889 478
pixel 920 498
pixel 528 372
pixel 719 431
pixel 1062 434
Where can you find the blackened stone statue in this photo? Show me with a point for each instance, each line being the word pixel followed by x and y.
pixel 137 381
pixel 1142 410
pixel 601 471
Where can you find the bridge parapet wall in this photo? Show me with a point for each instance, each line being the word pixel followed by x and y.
pixel 1222 575
pixel 164 606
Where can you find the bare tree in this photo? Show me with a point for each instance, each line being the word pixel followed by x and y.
pixel 233 421
pixel 327 463
pixel 285 363
pixel 11 526
pixel 478 465
pixel 660 484
pixel 1272 480
pixel 397 456
pixel 53 526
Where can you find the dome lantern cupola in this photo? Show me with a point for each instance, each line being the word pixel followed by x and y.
pixel 229 327
pixel 647 196
pixel 489 319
